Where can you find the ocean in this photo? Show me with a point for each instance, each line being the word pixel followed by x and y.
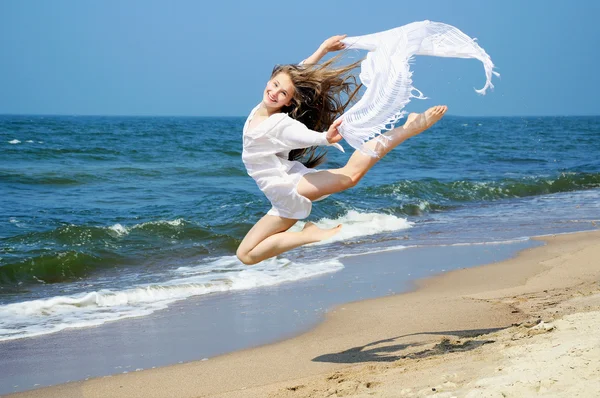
pixel 107 218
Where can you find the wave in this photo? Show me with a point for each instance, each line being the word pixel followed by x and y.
pixel 49 178
pixel 52 268
pixel 36 317
pixel 437 193
pixel 82 234
pixel 73 251
pixel 80 178
pixel 356 224
pixel 95 151
pixel 419 207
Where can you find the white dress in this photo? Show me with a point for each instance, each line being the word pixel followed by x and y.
pixel 265 155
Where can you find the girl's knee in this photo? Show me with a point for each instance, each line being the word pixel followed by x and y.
pixel 245 257
pixel 352 180
pixel 352 177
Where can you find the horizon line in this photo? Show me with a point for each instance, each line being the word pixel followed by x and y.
pixel 237 116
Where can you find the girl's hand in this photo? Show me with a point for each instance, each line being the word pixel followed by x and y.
pixel 329 45
pixel 333 43
pixel 333 135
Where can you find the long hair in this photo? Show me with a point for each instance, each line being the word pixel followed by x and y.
pixel 318 99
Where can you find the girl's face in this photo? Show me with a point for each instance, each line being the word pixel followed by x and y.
pixel 279 91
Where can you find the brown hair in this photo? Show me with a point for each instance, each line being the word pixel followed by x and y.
pixel 317 99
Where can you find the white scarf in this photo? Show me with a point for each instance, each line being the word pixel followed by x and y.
pixel 386 74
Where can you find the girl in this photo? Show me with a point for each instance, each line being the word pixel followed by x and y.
pixel 279 137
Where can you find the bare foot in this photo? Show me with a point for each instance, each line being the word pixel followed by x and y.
pixel 318 234
pixel 411 117
pixel 418 122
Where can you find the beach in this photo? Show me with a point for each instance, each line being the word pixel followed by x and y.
pixel 135 174
pixel 520 327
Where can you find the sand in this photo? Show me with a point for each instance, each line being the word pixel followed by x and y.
pixel 523 327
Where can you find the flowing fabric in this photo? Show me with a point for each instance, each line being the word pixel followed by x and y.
pixel 386 74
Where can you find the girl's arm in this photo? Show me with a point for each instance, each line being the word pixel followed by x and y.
pixel 332 44
pixel 295 135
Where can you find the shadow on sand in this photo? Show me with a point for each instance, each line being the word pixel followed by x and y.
pixel 387 351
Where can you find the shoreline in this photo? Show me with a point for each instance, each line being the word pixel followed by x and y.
pixel 465 302
pixel 212 325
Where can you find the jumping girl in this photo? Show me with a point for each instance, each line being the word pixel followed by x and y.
pixel 282 133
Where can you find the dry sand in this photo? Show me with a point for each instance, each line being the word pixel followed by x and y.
pixel 523 327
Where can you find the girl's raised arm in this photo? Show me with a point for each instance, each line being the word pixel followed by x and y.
pixel 332 44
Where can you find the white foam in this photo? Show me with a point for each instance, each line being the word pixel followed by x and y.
pixel 36 317
pixel 423 205
pixel 387 249
pixel 174 223
pixel 16 222
pixel 15 141
pixel 122 231
pixel 498 242
pixel 119 229
pixel 356 224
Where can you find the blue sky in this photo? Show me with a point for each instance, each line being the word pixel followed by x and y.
pixel 212 58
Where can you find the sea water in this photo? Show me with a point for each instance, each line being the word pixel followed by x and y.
pixel 106 218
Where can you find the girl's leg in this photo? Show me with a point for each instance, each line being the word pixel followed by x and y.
pixel 270 237
pixel 327 182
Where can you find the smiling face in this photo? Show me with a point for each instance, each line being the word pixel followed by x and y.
pixel 279 91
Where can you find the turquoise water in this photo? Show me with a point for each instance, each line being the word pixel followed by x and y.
pixel 103 218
